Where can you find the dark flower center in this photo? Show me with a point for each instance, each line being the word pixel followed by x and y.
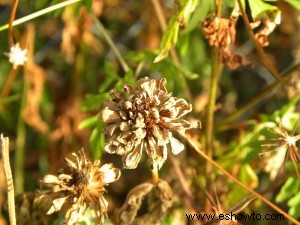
pixel 78 179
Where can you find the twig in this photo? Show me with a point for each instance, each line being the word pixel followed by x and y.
pixel 9 82
pixel 10 23
pixel 259 97
pixel 226 173
pixel 264 58
pixel 111 43
pixel 9 179
pixel 39 13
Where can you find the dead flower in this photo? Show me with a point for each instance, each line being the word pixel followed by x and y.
pixel 144 117
pixel 285 143
pixel 81 185
pixel 17 56
pixel 221 33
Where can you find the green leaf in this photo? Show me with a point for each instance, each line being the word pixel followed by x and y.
pixel 89 122
pixel 170 36
pixel 97 141
pixel 93 102
pixel 290 187
pixel 262 10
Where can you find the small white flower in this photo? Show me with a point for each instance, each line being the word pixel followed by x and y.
pixel 17 56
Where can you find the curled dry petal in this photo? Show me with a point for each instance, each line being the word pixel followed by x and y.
pixel 144 118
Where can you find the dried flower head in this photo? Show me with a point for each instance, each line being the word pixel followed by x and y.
pixel 17 56
pixel 144 118
pixel 81 185
pixel 285 143
pixel 220 33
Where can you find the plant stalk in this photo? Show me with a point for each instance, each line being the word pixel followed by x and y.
pixel 20 143
pixel 9 179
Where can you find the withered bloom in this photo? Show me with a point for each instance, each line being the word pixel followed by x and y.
pixel 144 118
pixel 220 33
pixel 81 185
pixel 286 143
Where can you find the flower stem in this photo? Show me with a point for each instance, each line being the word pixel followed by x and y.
pixel 216 69
pixel 10 23
pixel 155 176
pixel 215 73
pixel 227 174
pixel 9 179
pixel 20 143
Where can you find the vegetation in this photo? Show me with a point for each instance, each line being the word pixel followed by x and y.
pixel 182 107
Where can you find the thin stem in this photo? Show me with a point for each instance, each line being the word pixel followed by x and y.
pixel 209 134
pixel 155 176
pixel 245 187
pixel 10 23
pixel 264 58
pixel 269 90
pixel 20 143
pixel 9 82
pixel 111 43
pixel 9 180
pixel 39 13
pixel 209 128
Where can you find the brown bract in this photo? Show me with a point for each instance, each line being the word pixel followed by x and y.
pixel 220 33
pixel 81 185
pixel 144 118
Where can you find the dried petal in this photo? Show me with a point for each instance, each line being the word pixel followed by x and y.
pixel 81 185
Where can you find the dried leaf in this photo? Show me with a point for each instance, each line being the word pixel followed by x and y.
pixel 158 206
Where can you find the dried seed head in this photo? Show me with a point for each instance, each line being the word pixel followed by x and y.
pixel 284 145
pixel 81 185
pixel 144 118
pixel 17 56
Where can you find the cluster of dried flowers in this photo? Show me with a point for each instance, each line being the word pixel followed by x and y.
pixel 144 118
pixel 139 118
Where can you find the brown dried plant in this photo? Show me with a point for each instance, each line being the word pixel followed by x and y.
pixel 80 185
pixel 220 33
pixel 144 118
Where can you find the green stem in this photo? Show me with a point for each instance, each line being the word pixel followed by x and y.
pixel 20 144
pixel 111 43
pixel 215 73
pixel 39 13
pixel 269 90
